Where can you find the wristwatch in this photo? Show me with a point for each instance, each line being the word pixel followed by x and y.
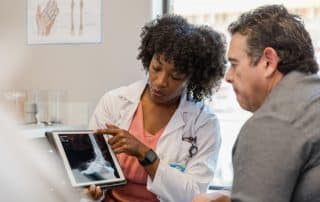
pixel 149 158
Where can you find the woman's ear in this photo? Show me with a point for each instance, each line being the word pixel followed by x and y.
pixel 272 60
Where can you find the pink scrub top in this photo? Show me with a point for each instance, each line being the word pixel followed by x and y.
pixel 135 190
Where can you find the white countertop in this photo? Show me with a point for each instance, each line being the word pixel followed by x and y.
pixel 38 131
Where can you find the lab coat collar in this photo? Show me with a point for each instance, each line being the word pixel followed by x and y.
pixel 185 109
pixel 133 94
pixel 134 91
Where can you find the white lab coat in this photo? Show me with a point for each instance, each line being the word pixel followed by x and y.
pixel 169 184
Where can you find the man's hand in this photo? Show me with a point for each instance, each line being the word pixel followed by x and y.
pixel 223 196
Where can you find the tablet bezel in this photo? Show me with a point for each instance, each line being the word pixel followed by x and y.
pixel 103 183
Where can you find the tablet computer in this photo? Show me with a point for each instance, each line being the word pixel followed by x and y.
pixel 87 158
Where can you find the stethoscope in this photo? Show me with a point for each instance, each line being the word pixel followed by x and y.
pixel 193 150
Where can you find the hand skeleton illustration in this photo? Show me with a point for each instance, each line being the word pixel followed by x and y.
pixel 46 16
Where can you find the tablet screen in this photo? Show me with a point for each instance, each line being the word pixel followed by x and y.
pixel 88 158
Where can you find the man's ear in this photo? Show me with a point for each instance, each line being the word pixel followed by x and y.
pixel 271 59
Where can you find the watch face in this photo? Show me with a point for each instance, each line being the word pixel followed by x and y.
pixel 150 157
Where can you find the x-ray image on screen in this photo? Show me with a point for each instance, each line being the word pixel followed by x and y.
pixel 89 157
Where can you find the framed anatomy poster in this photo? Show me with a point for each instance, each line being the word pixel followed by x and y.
pixel 64 21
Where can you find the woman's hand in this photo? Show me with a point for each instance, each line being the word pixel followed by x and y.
pixel 123 142
pixel 94 191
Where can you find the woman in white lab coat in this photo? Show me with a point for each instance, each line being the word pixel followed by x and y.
pixel 166 139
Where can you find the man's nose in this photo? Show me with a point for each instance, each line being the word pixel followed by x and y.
pixel 229 75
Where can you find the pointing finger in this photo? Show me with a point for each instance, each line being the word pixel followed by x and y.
pixel 108 131
pixel 109 125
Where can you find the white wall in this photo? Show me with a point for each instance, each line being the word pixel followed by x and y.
pixel 85 72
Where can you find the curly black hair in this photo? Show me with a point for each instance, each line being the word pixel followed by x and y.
pixel 273 26
pixel 197 51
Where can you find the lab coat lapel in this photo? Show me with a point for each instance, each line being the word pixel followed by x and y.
pixel 179 119
pixel 126 115
pixel 174 124
pixel 131 98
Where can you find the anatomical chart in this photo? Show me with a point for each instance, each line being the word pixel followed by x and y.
pixel 64 21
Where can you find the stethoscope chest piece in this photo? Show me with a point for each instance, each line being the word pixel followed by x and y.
pixel 193 150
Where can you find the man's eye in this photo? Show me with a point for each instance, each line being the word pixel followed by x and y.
pixel 233 65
